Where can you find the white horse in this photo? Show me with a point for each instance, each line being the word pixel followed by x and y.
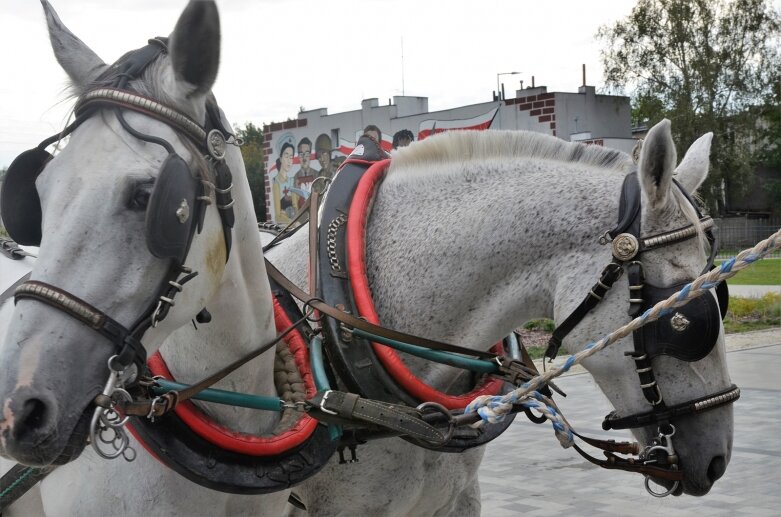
pixel 93 197
pixel 444 238
pixel 472 234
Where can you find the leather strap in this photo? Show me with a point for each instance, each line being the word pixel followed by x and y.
pixel 610 274
pixel 164 403
pixel 18 480
pixel 128 346
pixel 721 398
pixel 349 407
pixel 631 465
pixel 353 322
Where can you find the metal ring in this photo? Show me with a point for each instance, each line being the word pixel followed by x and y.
pixel 660 494
pixel 450 420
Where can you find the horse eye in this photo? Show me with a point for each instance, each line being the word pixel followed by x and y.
pixel 140 197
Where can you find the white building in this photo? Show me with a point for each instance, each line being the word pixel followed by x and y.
pixel 584 116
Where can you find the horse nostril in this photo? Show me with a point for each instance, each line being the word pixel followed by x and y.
pixel 31 418
pixel 717 467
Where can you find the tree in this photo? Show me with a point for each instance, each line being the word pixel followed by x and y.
pixel 255 164
pixel 707 65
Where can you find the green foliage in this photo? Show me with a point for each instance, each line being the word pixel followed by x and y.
pixel 540 324
pixel 255 164
pixel 746 314
pixel 707 65
pixel 773 188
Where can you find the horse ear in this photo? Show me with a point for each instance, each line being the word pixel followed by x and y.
pixel 80 63
pixel 655 167
pixel 195 46
pixel 693 169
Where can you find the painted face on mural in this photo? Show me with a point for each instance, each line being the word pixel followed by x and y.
pixel 286 159
pixel 305 155
pixel 324 157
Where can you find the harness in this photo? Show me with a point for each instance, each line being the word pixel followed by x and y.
pixel 369 368
pixel 688 334
pixel 382 398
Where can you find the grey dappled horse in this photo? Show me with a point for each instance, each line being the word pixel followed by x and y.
pixel 470 236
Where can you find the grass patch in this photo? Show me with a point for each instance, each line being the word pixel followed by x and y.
pixel 540 324
pixel 536 352
pixel 762 272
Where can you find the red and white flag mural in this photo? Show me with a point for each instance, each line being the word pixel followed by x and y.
pixel 432 127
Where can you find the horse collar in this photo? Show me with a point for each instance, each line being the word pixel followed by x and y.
pixel 374 371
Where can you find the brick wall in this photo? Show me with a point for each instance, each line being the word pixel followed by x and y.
pixel 542 107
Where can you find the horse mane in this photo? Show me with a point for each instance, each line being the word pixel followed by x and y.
pixel 463 146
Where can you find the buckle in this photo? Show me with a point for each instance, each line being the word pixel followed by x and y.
pixel 322 404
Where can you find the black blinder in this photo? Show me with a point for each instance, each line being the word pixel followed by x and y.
pixel 170 215
pixel 722 295
pixel 689 333
pixel 20 206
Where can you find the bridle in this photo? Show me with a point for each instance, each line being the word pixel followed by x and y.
pixel 688 333
pixel 175 212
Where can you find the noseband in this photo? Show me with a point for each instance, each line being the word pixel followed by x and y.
pixel 689 333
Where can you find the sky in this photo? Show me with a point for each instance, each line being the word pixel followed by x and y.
pixel 279 56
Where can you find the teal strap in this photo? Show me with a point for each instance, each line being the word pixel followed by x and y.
pixel 321 379
pixel 318 369
pixel 467 363
pixel 223 397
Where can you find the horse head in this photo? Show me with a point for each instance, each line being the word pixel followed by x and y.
pixel 685 355
pixel 128 200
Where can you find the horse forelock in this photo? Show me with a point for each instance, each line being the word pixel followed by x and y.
pixel 482 146
pixel 154 83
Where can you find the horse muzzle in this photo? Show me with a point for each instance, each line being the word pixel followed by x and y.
pixel 33 435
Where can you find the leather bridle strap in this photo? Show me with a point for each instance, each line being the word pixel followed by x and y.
pixel 352 322
pixel 128 345
pixel 631 465
pixel 610 275
pixel 691 407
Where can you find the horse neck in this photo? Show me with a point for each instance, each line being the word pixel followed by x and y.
pixel 242 321
pixel 468 256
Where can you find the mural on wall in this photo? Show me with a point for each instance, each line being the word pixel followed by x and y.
pixel 293 164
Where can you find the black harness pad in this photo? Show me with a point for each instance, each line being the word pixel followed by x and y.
pixel 202 462
pixel 170 217
pixel 20 205
pixel 722 295
pixel 688 333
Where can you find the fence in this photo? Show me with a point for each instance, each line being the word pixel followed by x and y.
pixel 738 233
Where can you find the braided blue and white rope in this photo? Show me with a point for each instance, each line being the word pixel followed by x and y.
pixel 494 408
